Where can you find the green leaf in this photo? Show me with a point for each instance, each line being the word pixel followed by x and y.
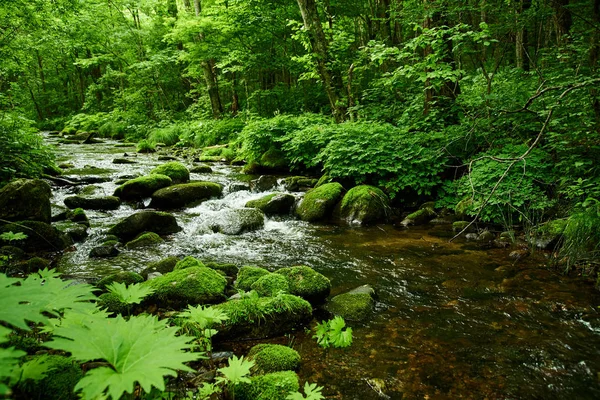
pixel 142 350
pixel 312 391
pixel 132 294
pixel 237 371
pixel 205 317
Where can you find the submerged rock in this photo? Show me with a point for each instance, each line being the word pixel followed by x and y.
pixel 25 200
pixel 160 223
pixel 365 205
pixel 319 203
pixel 355 305
pixel 174 170
pixel 93 203
pixel 307 283
pixel 274 204
pixel 238 221
pixel 142 187
pixel 144 240
pixel 185 194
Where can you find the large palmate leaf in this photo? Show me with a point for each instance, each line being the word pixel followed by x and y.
pixel 236 371
pixel 132 294
pixel 141 349
pixel 28 299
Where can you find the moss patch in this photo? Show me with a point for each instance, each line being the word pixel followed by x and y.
pixel 355 305
pixel 120 277
pixel 274 358
pixel 174 170
pixel 163 266
pixel 188 262
pixel 273 386
pixel 307 283
pixel 185 195
pixel 271 285
pixel 318 203
pixel 247 275
pixel 59 382
pixel 142 187
pixel 144 240
pixel 365 205
pixel 274 204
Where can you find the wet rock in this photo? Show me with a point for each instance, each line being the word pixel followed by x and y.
pixel 230 270
pixel 36 264
pixel 307 283
pixel 185 194
pixel 195 285
pixel 174 170
pixel 163 266
pixel 104 251
pixel 355 305
pixel 278 315
pixel 319 203
pixel 188 262
pixel 144 240
pixel 419 217
pixel 125 277
pixel 238 187
pixel 273 358
pixel 142 187
pixel 40 236
pixel 549 235
pixel 93 203
pixel 238 221
pixel 78 215
pixel 274 204
pixel 519 254
pixel 471 236
pixel 145 221
pixel 166 158
pixel 247 275
pixel 299 183
pixel 77 232
pixel 66 165
pixel 264 183
pixel 59 213
pixel 201 169
pixel 123 161
pixel 364 205
pixel 25 200
pixel 276 385
pixel 12 252
pixel 271 285
pixel 458 226
pixel 486 236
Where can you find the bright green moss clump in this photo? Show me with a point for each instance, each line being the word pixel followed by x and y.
pixel 142 187
pixel 247 275
pixel 273 386
pixel 307 283
pixel 271 285
pixel 319 203
pixel 120 277
pixel 144 240
pixel 174 170
pixel 364 205
pixel 59 382
pixel 112 303
pixel 355 305
pixel 188 262
pixel 274 358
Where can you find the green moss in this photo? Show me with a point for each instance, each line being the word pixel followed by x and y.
pixel 69 130
pixel 112 303
pixel 273 386
pixel 110 243
pixel 120 277
pixel 323 180
pixel 194 285
pixel 355 305
pixel 145 146
pixel 273 204
pixel 554 228
pixel 28 344
pixel 78 215
pixel 201 169
pixel 458 226
pixel 185 195
pixel 144 240
pixel 271 285
pixel 307 283
pixel 36 263
pixel 295 183
pixel 365 205
pixel 174 170
pixel 463 206
pixel 188 262
pixel 142 187
pixel 274 159
pixel 274 358
pixel 419 217
pixel 318 203
pixel 163 266
pixel 262 202
pixel 59 382
pixel 228 269
pixel 247 275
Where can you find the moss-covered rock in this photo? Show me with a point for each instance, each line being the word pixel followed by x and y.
pixel 40 236
pixel 163 266
pixel 273 358
pixel 78 215
pixel 247 275
pixel 299 183
pixel 458 226
pixel 77 232
pixel 230 270
pixel 273 386
pixel 264 183
pixel 144 240
pixel 174 170
pixel 319 203
pixel 274 159
pixel 463 207
pixel 37 263
pixel 239 220
pixel 58 383
pixel 419 217
pixel 112 303
pixel 355 305
pixel 125 277
pixel 145 221
pixel 262 317
pixel 201 169
pixel 93 203
pixel 195 285
pixel 185 195
pixel 364 204
pixel 271 285
pixel 105 250
pixel 274 204
pixel 307 283
pixel 142 187
pixel 25 200
pixel 548 235
pixel 188 262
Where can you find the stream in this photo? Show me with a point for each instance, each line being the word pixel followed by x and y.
pixel 453 320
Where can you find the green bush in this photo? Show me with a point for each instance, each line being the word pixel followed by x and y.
pixel 168 135
pixel 212 132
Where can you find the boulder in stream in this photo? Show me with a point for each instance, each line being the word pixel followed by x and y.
pixel 174 170
pixel 355 305
pixel 272 386
pixel 142 187
pixel 201 169
pixel 185 194
pixel 273 358
pixel 93 203
pixel 126 277
pixel 163 266
pixel 274 204
pixel 264 183
pixel 365 204
pixel 247 275
pixel 25 199
pixel 239 220
pixel 419 217
pixel 158 222
pixel 307 283
pixel 319 203
pixel 299 183
pixel 40 236
pixel 271 285
pixel 145 239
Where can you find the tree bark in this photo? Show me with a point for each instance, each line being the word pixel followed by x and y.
pixel 522 37
pixel 562 20
pixel 210 77
pixel 594 56
pixel 197 7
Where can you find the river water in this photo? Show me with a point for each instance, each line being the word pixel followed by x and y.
pixel 453 320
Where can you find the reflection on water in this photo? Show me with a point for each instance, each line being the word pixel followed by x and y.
pixel 452 320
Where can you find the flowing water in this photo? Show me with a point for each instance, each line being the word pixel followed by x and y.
pixel 453 320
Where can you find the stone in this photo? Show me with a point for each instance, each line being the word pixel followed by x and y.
pixel 126 277
pixel 123 161
pixel 272 386
pixel 319 203
pixel 271 285
pixel 146 239
pixel 238 221
pixel 104 251
pixel 238 187
pixel 365 205
pixel 40 236
pixel 458 226
pixel 25 200
pixel 273 358
pixel 201 169
pixel 185 194
pixel 93 203
pixel 548 236
pixel 174 170
pixel 188 262
pixel 77 232
pixel 274 204
pixel 299 183
pixel 142 187
pixel 78 215
pixel 247 275
pixel 355 305
pixel 419 217
pixel 307 283
pixel 158 222
pixel 163 266
pixel 486 236
pixel 264 183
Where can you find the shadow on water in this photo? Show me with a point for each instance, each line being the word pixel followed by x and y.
pixel 452 320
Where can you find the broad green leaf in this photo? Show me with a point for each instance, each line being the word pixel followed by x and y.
pixel 237 371
pixel 311 390
pixel 205 317
pixel 132 294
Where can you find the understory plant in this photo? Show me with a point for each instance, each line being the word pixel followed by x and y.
pixel 332 333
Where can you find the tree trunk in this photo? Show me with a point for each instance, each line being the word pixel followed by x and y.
pixel 562 20
pixel 210 78
pixel 312 23
pixel 197 7
pixel 522 37
pixel 594 55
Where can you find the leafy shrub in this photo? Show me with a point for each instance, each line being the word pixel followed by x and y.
pixel 87 122
pixel 212 132
pixel 581 235
pixel 145 146
pixel 112 129
pixel 168 135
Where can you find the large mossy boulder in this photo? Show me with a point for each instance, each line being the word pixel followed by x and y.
pixel 126 277
pixel 59 381
pixel 142 187
pixel 262 317
pixel 158 222
pixel 93 203
pixel 174 170
pixel 146 239
pixel 271 285
pixel 273 386
pixel 25 200
pixel 274 159
pixel 319 203
pixel 355 305
pixel 188 262
pixel 365 204
pixel 307 283
pixel 419 217
pixel 247 275
pixel 274 204
pixel 299 183
pixel 195 285
pixel 273 358
pixel 40 236
pixel 239 220
pixel 162 267
pixel 185 195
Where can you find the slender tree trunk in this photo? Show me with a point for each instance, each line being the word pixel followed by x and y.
pixel 187 5
pixel 522 37
pixel 594 56
pixel 197 7
pixel 210 77
pixel 562 20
